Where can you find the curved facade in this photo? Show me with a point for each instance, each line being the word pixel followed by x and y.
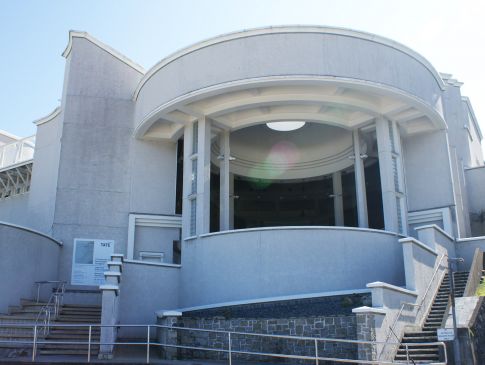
pixel 179 170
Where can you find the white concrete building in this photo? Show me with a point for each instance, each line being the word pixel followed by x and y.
pixel 266 165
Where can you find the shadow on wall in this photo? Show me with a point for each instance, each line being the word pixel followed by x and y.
pixel 26 256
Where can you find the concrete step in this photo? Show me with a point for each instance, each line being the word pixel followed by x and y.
pixel 81 305
pixel 81 310
pixel 420 351
pixel 411 340
pixel 422 357
pixel 61 352
pixel 16 335
pixel 18 317
pixel 74 330
pixel 84 320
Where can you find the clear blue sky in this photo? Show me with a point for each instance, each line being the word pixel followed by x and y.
pixel 450 34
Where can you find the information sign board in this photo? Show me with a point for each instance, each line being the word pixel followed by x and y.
pixel 89 261
pixel 446 334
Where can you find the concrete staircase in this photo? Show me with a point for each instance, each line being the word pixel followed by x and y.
pixel 70 314
pixel 434 320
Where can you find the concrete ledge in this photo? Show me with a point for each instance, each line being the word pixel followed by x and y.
pixel 109 287
pixel 275 299
pixel 161 264
pixel 29 229
pixel 381 285
pixel 369 310
pixel 112 273
pixel 438 228
pixel 283 228
pixel 418 243
pixel 170 313
pixel 114 263
pixel 470 239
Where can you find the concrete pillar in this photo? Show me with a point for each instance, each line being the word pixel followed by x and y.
pixel 187 187
pixel 110 306
pixel 109 311
pixel 360 183
pixel 386 156
pixel 369 321
pixel 338 202
pixel 167 335
pixel 203 176
pixel 225 154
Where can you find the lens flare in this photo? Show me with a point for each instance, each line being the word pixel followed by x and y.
pixel 282 156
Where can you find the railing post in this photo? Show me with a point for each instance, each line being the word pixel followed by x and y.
pixel 89 344
pixel 148 344
pixel 38 290
pixel 34 344
pixel 407 354
pixel 316 351
pixel 230 350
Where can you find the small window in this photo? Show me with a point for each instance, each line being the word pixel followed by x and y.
pixel 151 256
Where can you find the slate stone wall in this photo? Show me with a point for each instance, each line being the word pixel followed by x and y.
pixel 325 317
pixel 478 331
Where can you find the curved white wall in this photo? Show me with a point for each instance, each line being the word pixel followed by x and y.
pixel 26 256
pixel 292 51
pixel 258 263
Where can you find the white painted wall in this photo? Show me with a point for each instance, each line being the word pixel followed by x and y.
pixel 475 181
pixel 258 263
pixel 45 172
pixel 144 290
pixel 428 173
pixel 93 192
pixel 286 52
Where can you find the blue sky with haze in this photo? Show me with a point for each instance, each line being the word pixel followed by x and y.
pixel 450 34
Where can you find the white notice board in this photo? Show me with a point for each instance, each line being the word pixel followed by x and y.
pixel 446 334
pixel 89 261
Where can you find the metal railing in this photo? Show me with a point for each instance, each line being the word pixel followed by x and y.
pixel 392 328
pixel 51 308
pixel 229 350
pixel 16 152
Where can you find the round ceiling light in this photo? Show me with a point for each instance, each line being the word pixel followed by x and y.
pixel 286 126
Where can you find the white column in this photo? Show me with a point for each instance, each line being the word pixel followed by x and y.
pixel 203 175
pixel 224 198
pixel 187 193
pixel 338 202
pixel 360 183
pixel 392 181
pixel 231 201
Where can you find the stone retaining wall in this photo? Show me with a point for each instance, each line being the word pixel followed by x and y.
pixel 325 317
pixel 343 327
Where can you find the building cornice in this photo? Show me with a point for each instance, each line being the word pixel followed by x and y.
pixel 48 117
pixel 289 29
pixel 78 34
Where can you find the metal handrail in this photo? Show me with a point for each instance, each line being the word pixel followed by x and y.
pixel 42 282
pixel 229 350
pixel 419 306
pixel 52 305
